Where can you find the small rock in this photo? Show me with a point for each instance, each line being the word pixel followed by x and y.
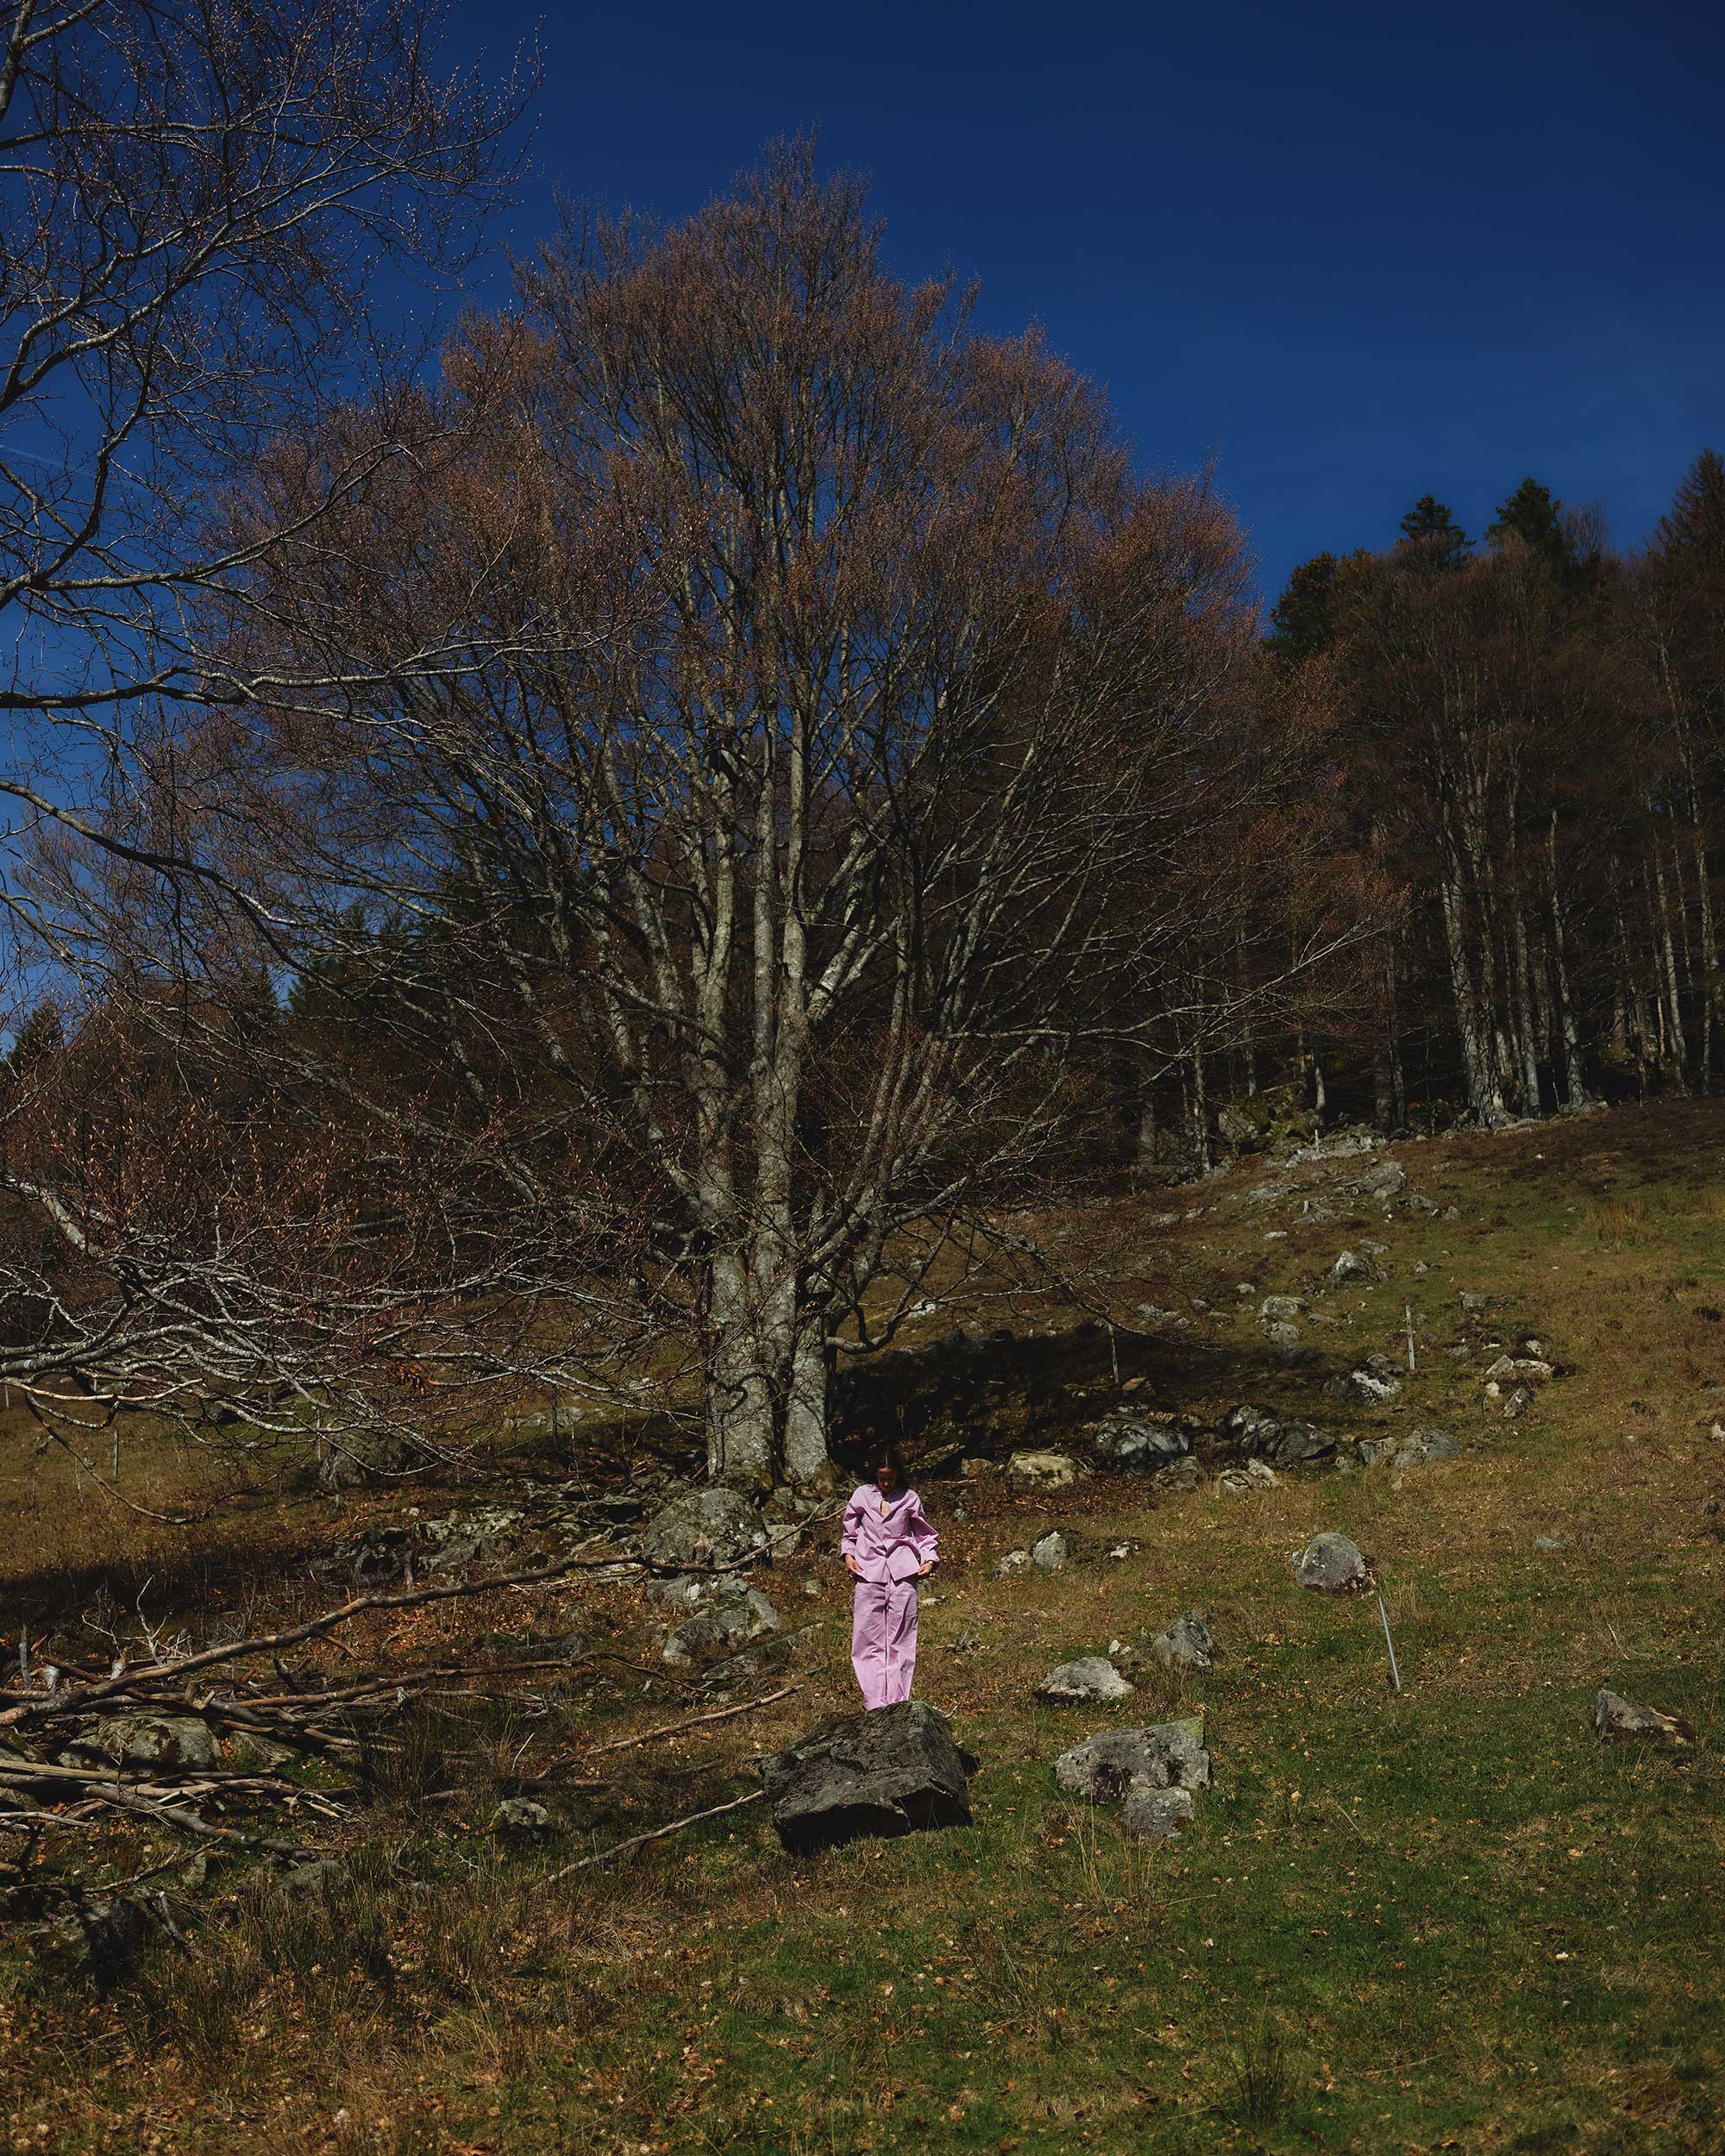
pixel 1528 1366
pixel 1248 1429
pixel 1331 1565
pixel 1107 1768
pixel 1139 1445
pixel 1470 1302
pixel 1619 1721
pixel 1239 1482
pixel 1183 1475
pixel 1418 1448
pixel 1548 1542
pixel 98 1942
pixel 1089 1679
pixel 1120 1552
pixel 725 1621
pixel 1281 1334
pixel 1041 1470
pixel 1157 1814
pixel 1297 1441
pixel 315 1875
pixel 1517 1404
pixel 1373 1384
pixel 1280 1309
pixel 519 1818
pixel 1352 1269
pixel 1014 1561
pixel 1050 1551
pixel 1186 1644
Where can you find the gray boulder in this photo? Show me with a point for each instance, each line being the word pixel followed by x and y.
pixel 1186 1644
pixel 1050 1550
pixel 1353 1270
pixel 1241 1482
pixel 1183 1475
pixel 1140 1446
pixel 1297 1441
pixel 1533 1367
pixel 154 1740
pixel 1090 1678
pixel 97 1942
pixel 1041 1470
pixel 1248 1429
pixel 1332 1565
pixel 357 1457
pixel 1015 1561
pixel 1418 1448
pixel 1618 1720
pixel 723 1625
pixel 1109 1766
pixel 703 1527
pixel 519 1818
pixel 1157 1814
pixel 894 1770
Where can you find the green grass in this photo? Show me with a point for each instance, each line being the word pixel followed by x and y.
pixel 1445 1919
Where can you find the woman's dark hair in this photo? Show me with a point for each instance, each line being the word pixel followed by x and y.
pixel 881 1456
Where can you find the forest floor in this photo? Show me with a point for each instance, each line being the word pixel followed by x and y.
pixel 1445 1918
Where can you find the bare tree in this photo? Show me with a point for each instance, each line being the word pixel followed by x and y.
pixel 774 714
pixel 198 205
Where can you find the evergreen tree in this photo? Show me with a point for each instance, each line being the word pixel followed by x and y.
pixel 1693 530
pixel 1533 516
pixel 1303 620
pixel 1431 536
pixel 40 1035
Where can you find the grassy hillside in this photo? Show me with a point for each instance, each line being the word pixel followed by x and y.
pixel 1448 1918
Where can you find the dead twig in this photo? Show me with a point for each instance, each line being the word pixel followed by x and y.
pixel 657 1833
pixel 673 1729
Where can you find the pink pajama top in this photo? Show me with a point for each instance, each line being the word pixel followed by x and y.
pixel 890 1546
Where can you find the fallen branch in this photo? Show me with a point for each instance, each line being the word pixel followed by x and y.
pixel 673 1729
pixel 77 1697
pixel 658 1833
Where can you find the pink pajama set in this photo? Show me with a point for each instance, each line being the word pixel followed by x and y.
pixel 890 1546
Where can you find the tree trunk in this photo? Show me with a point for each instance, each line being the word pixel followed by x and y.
pixel 1485 1087
pixel 806 1424
pixel 739 1398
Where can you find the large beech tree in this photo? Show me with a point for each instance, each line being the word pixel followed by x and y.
pixel 775 715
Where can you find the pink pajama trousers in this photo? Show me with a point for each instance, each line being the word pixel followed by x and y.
pixel 883 1640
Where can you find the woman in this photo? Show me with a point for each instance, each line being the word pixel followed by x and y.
pixel 888 1546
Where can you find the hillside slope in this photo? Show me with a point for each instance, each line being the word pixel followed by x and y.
pixel 1447 1917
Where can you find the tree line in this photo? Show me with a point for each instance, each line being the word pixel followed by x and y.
pixel 601 857
pixel 1533 728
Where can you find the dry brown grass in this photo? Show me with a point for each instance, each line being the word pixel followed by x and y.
pixel 717 1996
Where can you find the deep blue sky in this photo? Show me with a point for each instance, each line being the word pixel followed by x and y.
pixel 1347 255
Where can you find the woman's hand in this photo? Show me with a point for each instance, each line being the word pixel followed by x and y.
pixel 852 1567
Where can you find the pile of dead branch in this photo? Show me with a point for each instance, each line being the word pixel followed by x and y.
pixel 207 1745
